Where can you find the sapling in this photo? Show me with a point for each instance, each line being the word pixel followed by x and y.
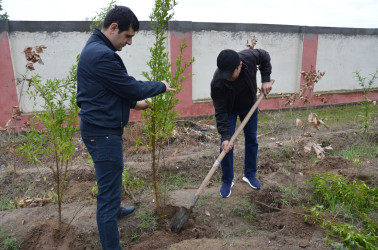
pixel 160 119
pixel 51 131
pixel 367 85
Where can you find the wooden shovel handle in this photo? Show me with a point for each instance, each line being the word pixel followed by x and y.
pixel 223 153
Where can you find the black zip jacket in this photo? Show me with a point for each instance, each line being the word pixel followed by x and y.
pixel 105 92
pixel 222 91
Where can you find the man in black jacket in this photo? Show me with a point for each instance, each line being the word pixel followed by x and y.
pixel 105 94
pixel 233 91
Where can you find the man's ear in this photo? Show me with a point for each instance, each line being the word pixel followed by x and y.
pixel 113 27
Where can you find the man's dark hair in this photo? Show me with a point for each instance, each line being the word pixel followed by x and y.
pixel 123 16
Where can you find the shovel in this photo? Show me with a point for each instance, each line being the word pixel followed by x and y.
pixel 183 213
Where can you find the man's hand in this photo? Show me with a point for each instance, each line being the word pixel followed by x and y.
pixel 266 87
pixel 142 105
pixel 167 87
pixel 227 146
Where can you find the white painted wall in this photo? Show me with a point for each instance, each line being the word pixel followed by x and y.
pixel 60 55
pixel 285 51
pixel 340 56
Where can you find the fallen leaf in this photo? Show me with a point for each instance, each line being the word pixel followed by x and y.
pixel 299 123
pixel 309 134
pixel 318 150
pixel 207 213
pixel 308 147
pixel 323 123
pixel 300 142
pixel 312 119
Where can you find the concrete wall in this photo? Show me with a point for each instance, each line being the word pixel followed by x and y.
pixel 337 51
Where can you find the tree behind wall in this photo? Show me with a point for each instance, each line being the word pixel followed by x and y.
pixel 3 16
pixel 160 120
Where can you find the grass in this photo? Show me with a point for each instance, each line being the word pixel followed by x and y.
pixel 203 199
pixel 6 203
pixel 245 209
pixel 344 208
pixel 336 115
pixel 289 194
pixel 147 224
pixel 148 221
pixel 355 151
pixel 175 182
pixel 8 241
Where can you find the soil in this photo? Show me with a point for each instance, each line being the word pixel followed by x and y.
pixel 277 221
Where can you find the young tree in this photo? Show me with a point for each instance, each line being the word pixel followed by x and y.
pixel 51 132
pixel 3 16
pixel 160 120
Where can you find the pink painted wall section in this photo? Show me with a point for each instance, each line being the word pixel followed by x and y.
pixel 8 91
pixel 185 107
pixel 310 52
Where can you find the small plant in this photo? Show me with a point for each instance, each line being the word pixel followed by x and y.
pixel 366 85
pixel 130 184
pixel 6 203
pixel 148 221
pixel 343 208
pixel 51 131
pixel 94 190
pixel 8 241
pixel 245 209
pixel 289 193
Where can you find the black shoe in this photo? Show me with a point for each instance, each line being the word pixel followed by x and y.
pixel 125 212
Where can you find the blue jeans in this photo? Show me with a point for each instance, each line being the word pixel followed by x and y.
pixel 107 155
pixel 251 147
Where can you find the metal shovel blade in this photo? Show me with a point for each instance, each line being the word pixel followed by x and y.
pixel 179 219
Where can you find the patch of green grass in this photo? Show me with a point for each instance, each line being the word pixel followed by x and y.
pixel 148 221
pixel 8 241
pixel 203 200
pixel 356 151
pixel 336 116
pixel 6 203
pixel 147 224
pixel 129 182
pixel 284 154
pixel 289 194
pixel 175 182
pixel 344 209
pixel 245 209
